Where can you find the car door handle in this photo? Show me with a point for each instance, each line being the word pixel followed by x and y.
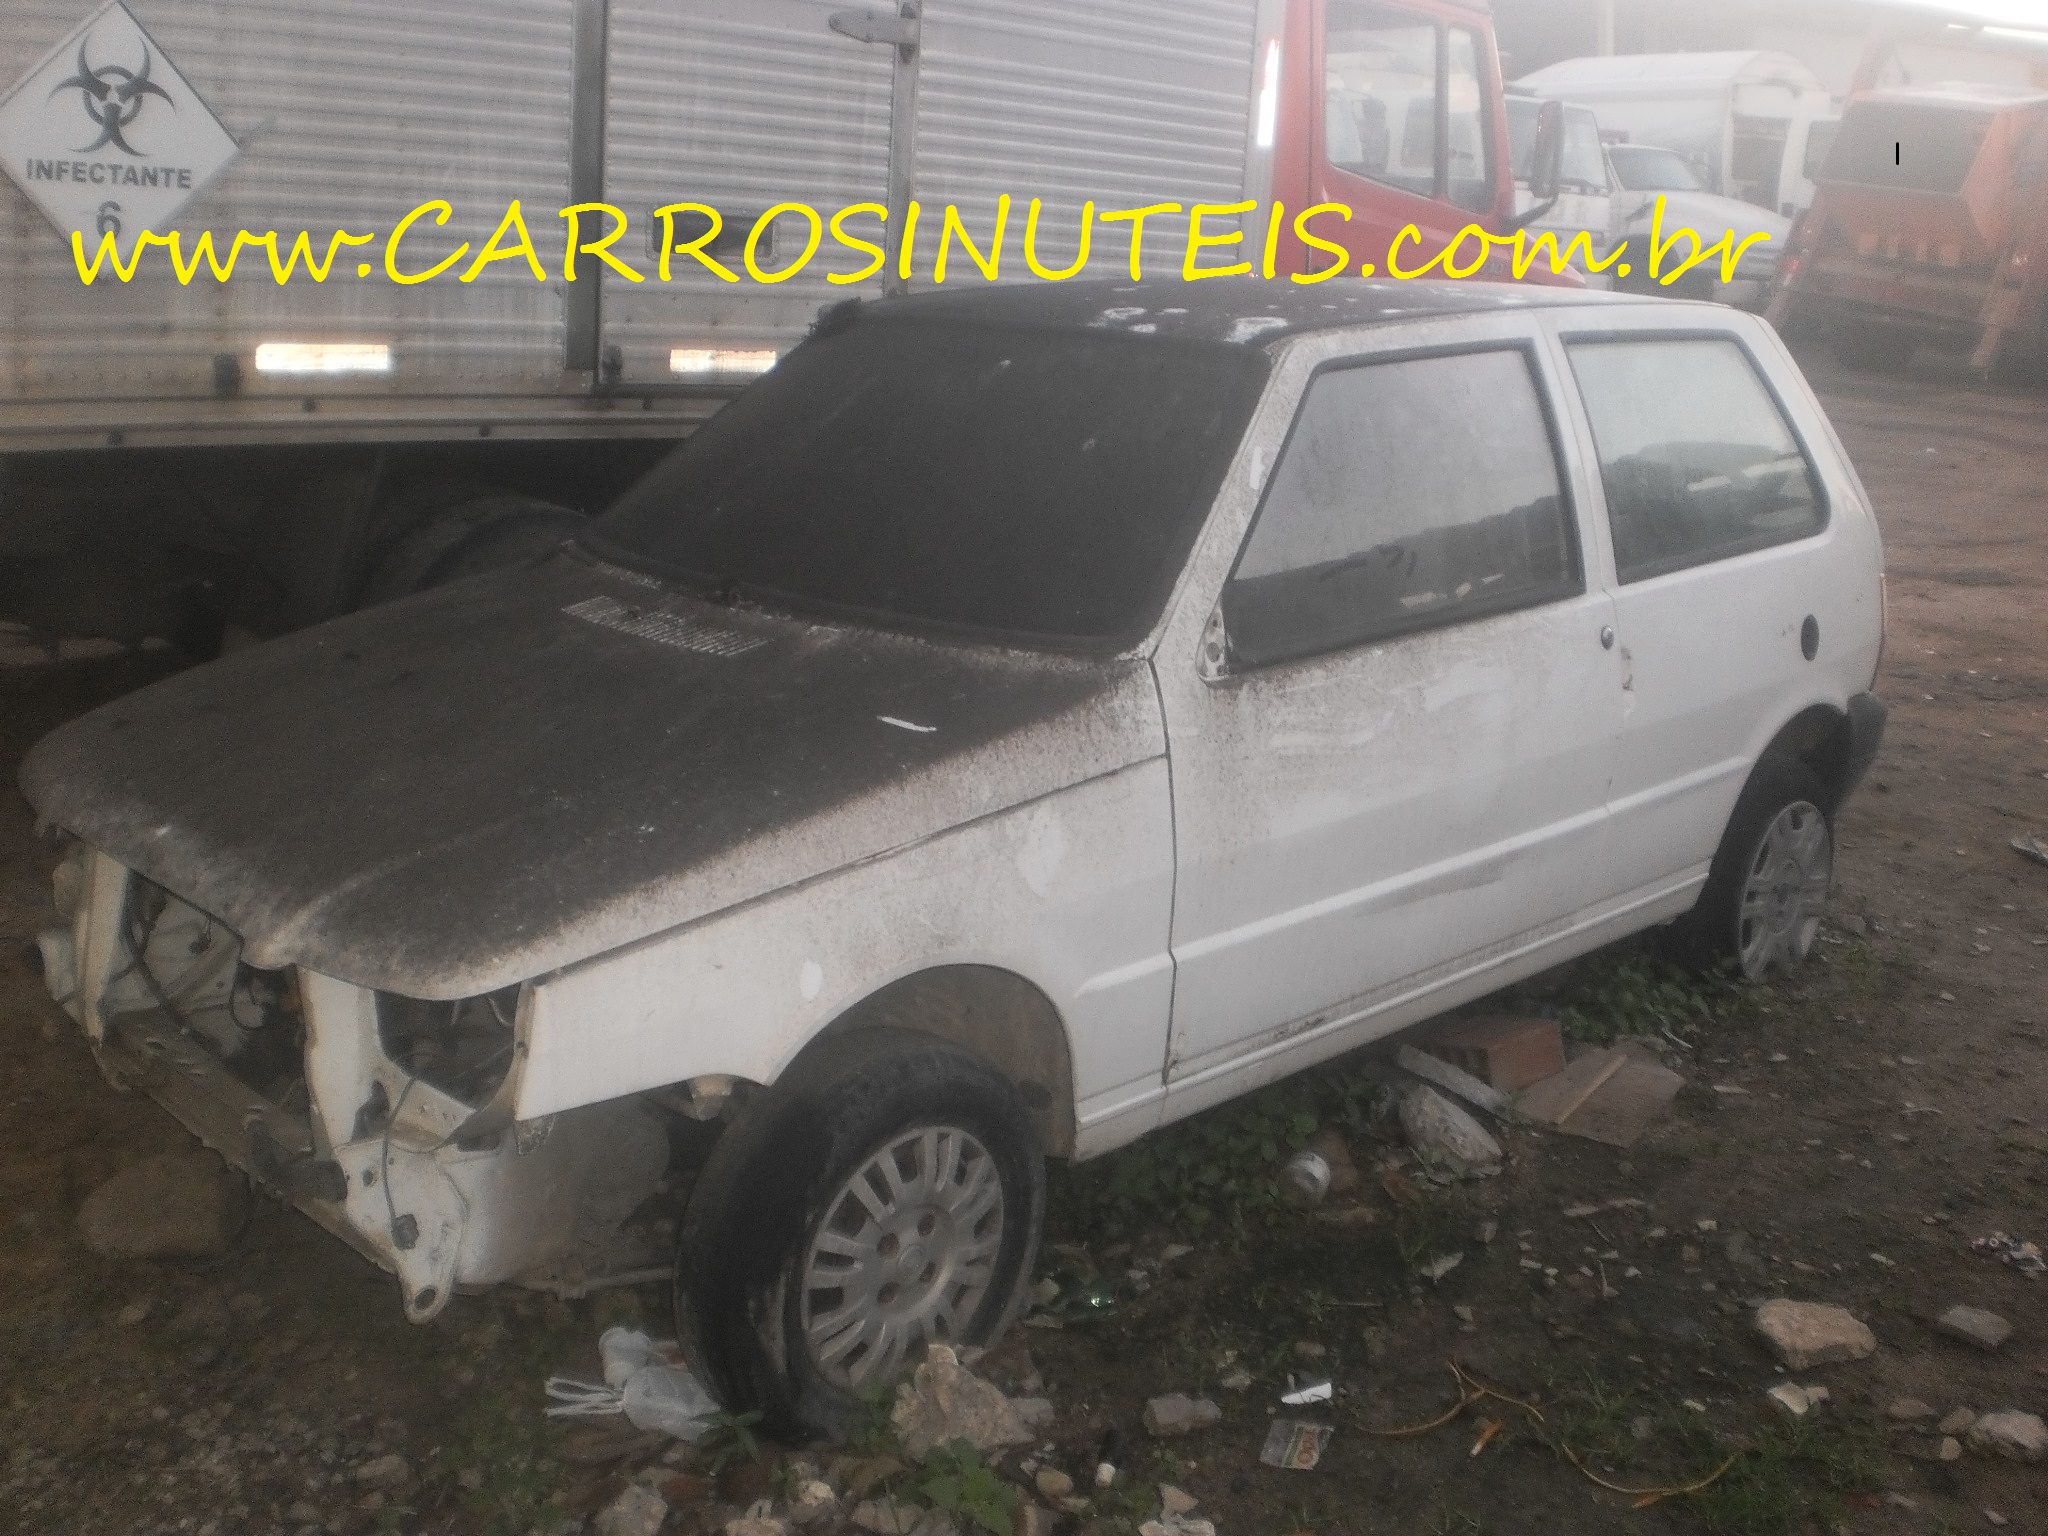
pixel 1606 637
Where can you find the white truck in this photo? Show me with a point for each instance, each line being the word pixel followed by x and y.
pixel 178 458
pixel 1744 118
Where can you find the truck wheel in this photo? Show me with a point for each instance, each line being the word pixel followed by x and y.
pixel 481 533
pixel 1761 907
pixel 886 1193
pixel 1867 347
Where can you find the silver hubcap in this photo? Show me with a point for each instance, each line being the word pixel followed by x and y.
pixel 904 1255
pixel 1788 882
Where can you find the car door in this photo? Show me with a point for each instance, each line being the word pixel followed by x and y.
pixel 1388 704
pixel 1733 605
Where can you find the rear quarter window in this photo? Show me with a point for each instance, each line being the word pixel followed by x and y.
pixel 1696 455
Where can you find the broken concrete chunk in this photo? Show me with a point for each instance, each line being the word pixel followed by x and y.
pixel 638 1511
pixel 1795 1401
pixel 1178 1414
pixel 1808 1333
pixel 1437 1128
pixel 1175 1501
pixel 2012 1434
pixel 1452 1079
pixel 181 1205
pixel 1974 1325
pixel 944 1401
pixel 1053 1484
pixel 886 1517
pixel 1957 1421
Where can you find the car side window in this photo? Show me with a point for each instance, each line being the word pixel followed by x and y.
pixel 1697 458
pixel 1411 494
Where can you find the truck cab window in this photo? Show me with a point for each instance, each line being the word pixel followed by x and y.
pixel 1405 103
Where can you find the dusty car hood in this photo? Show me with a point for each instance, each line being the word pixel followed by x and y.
pixel 488 782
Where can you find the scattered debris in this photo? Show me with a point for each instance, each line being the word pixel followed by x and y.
pixel 388 1472
pixel 1306 1178
pixel 1442 1265
pixel 2033 848
pixel 1974 1325
pixel 1609 1096
pixel 1178 1414
pixel 1807 1333
pixel 637 1511
pixel 644 1380
pixel 1294 1444
pixel 1796 1401
pixel 1439 1130
pixel 179 1205
pixel 2012 1434
pixel 887 1517
pixel 1504 1051
pixel 1451 1079
pixel 2021 1255
pixel 944 1401
pixel 1237 1379
pixel 1108 1459
pixel 1329 1144
pixel 1300 1396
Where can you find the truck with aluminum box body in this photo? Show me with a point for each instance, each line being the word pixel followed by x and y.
pixel 182 457
pixel 1744 118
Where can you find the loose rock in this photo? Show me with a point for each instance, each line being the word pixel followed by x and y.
pixel 385 1472
pixel 1804 1334
pixel 1974 1325
pixel 1178 1414
pixel 1175 1501
pixel 814 1501
pixel 638 1511
pixel 886 1517
pixel 1957 1421
pixel 1053 1484
pixel 181 1205
pixel 1909 1410
pixel 1439 1129
pixel 756 1525
pixel 2012 1434
pixel 1795 1401
pixel 1034 1520
pixel 945 1401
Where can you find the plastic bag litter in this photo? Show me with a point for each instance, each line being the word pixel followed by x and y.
pixel 644 1380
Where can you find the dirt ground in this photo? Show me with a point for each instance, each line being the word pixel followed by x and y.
pixel 1843 1138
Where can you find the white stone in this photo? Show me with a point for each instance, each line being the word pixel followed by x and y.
pixel 2012 1434
pixel 1804 1334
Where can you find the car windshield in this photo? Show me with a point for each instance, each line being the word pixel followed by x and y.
pixel 1037 484
pixel 1653 170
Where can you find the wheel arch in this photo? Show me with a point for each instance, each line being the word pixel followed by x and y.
pixel 995 1013
pixel 1820 737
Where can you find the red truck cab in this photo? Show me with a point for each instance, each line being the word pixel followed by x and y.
pixel 1393 109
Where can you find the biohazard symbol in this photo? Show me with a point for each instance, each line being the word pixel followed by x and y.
pixel 113 97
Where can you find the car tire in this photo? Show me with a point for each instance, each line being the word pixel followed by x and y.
pixel 1761 907
pixel 800 1191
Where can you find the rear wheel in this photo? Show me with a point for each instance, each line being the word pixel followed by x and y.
pixel 886 1194
pixel 1761 908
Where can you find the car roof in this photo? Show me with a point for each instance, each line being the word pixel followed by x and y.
pixel 1234 311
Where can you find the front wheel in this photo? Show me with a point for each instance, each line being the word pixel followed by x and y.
pixel 886 1194
pixel 1761 908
